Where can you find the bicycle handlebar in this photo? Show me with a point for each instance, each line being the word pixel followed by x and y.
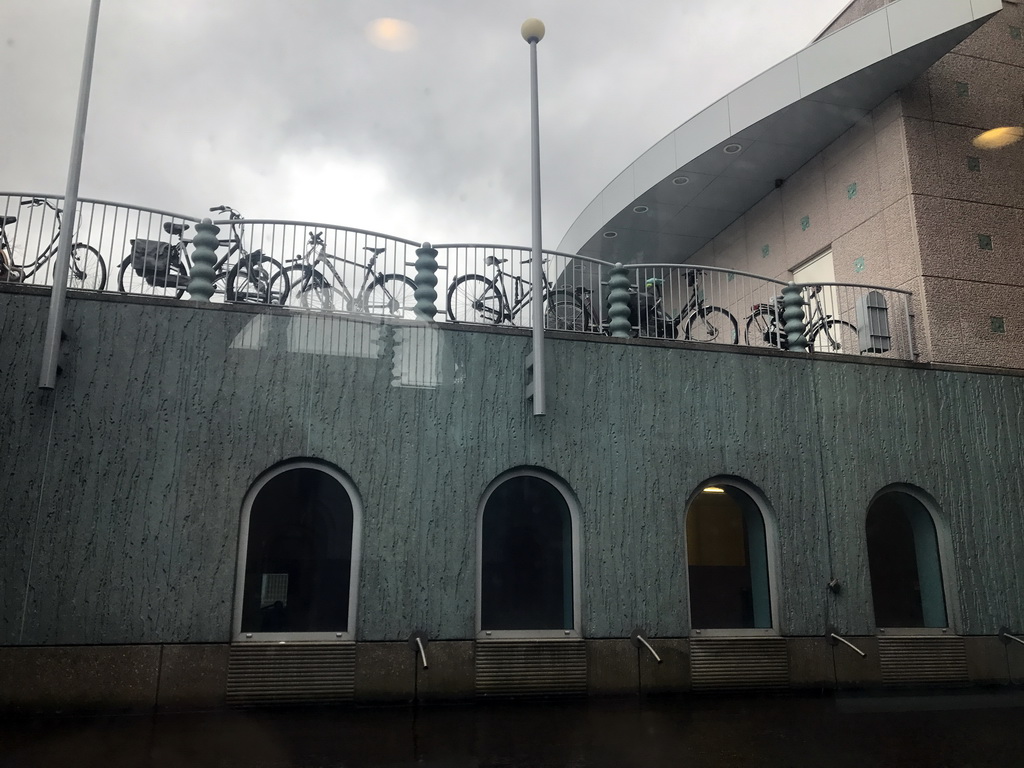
pixel 226 209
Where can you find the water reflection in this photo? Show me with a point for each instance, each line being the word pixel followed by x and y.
pixel 972 730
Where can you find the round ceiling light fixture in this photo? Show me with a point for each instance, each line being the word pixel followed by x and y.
pixel 680 180
pixel 731 149
pixel 641 209
pixel 609 234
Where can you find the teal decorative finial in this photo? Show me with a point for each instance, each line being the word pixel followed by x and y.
pixel 426 282
pixel 793 317
pixel 204 257
pixel 618 302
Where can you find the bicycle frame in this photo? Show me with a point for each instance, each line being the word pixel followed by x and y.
pixel 27 270
pixel 521 297
pixel 370 276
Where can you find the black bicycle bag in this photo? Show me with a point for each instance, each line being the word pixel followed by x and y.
pixel 154 261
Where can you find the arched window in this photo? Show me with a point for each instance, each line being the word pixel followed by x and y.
pixel 727 558
pixel 903 558
pixel 299 555
pixel 527 554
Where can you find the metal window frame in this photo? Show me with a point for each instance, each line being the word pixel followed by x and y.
pixel 947 560
pixel 574 520
pixel 243 545
pixel 771 541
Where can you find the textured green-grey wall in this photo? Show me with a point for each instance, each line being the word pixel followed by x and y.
pixel 122 490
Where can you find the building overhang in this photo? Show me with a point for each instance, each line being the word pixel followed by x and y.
pixel 687 188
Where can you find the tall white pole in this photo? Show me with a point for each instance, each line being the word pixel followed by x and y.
pixel 533 33
pixel 55 319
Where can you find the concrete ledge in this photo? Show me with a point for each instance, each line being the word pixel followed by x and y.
pixel 385 673
pixel 612 668
pixel 449 672
pixel 192 676
pixel 811 662
pixel 852 671
pixel 79 678
pixel 673 674
pixel 987 660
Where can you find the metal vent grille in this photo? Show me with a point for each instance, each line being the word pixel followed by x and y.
pixel 922 660
pixel 296 673
pixel 531 668
pixel 723 664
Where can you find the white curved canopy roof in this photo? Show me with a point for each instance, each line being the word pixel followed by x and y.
pixel 714 167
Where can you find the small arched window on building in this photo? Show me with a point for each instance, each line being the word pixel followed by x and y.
pixel 298 555
pixel 528 557
pixel 727 551
pixel 903 558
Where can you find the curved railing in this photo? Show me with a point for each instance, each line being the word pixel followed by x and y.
pixel 326 267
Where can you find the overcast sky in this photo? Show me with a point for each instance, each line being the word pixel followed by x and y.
pixel 293 110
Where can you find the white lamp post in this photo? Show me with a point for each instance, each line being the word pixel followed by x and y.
pixel 55 318
pixel 533 33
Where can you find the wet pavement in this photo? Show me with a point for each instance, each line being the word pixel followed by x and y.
pixel 957 730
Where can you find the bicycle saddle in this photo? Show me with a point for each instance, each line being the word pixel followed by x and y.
pixel 5 220
pixel 374 251
pixel 491 261
pixel 173 228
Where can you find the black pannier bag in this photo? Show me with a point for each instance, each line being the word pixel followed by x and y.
pixel 156 262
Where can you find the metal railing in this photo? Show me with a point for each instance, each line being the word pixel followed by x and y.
pixel 316 266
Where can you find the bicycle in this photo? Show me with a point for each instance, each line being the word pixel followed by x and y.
pixel 311 281
pixel 474 298
pixel 166 267
pixel 86 269
pixel 696 320
pixel 825 333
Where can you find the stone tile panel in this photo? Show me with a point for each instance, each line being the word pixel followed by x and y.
pixel 193 676
pixel 766 228
pixel 861 255
pixel 807 227
pixel 449 672
pixel 891 163
pixel 961 318
pixel 612 668
pixel 853 188
pixel 672 675
pixel 79 678
pixel 994 40
pixel 986 660
pixel 974 92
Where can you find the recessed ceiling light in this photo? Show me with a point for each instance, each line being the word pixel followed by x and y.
pixel 713 489
pixel 680 180
pixel 731 149
pixel 641 209
pixel 609 234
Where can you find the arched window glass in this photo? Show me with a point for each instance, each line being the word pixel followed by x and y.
pixel 526 557
pixel 727 558
pixel 299 565
pixel 903 558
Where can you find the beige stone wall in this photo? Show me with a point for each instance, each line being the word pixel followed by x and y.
pixel 903 198
pixel 969 202
pixel 855 10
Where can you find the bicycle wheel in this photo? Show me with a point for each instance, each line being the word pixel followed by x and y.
pixel 763 330
pixel 170 286
pixel 565 312
pixel 392 295
pixel 86 271
pixel 712 324
pixel 307 288
pixel 835 336
pixel 249 281
pixel 475 299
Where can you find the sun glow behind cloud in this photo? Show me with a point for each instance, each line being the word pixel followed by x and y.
pixel 391 34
